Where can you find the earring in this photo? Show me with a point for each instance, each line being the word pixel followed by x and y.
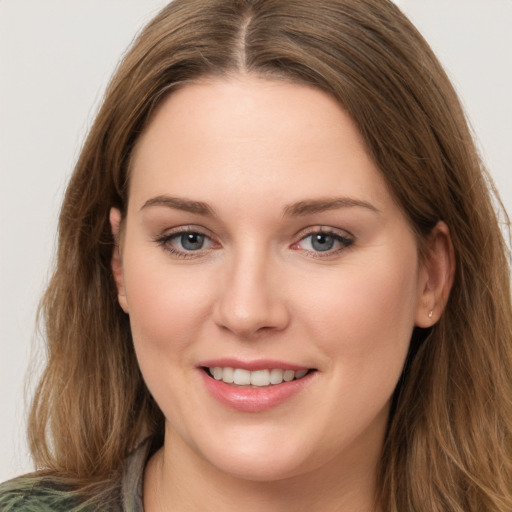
pixel 430 314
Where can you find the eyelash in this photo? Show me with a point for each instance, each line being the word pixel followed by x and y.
pixel 165 242
pixel 344 242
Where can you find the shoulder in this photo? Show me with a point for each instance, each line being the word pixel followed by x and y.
pixel 38 494
pixel 43 493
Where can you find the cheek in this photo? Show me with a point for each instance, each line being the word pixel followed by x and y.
pixel 365 312
pixel 166 303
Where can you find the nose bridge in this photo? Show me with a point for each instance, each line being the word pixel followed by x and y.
pixel 250 298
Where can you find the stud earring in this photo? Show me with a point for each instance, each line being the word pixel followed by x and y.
pixel 430 314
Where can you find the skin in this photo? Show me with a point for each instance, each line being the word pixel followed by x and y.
pixel 250 149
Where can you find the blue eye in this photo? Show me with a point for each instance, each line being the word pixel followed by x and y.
pixel 324 242
pixel 190 241
pixel 186 243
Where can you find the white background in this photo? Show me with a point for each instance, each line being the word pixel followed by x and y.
pixel 56 57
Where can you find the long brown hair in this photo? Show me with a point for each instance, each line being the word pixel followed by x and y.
pixel 449 440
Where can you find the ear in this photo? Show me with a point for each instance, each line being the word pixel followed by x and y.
pixel 116 261
pixel 436 276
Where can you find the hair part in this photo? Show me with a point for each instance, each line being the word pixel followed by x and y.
pixel 449 441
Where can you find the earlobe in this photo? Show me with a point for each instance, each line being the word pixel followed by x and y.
pixel 436 276
pixel 116 261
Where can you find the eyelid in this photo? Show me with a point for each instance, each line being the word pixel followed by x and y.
pixel 327 230
pixel 343 237
pixel 164 238
pixel 188 228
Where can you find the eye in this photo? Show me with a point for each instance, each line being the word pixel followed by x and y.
pixel 321 241
pixel 186 243
pixel 189 241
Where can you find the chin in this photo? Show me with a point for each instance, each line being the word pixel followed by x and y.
pixel 262 469
pixel 259 464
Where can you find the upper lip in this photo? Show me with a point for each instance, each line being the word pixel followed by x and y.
pixel 256 364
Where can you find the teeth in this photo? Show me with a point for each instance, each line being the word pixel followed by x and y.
pixel 300 373
pixel 276 376
pixel 227 375
pixel 242 377
pixel 259 378
pixel 288 375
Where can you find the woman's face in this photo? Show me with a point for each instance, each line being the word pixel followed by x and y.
pixel 261 240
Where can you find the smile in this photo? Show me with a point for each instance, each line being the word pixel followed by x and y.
pixel 257 378
pixel 255 389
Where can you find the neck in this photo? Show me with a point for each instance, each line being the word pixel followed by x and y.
pixel 178 480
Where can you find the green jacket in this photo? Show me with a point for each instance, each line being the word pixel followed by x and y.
pixel 42 494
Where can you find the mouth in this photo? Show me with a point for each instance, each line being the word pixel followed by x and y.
pixel 257 378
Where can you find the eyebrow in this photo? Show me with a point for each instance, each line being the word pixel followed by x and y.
pixel 177 203
pixel 293 210
pixel 322 205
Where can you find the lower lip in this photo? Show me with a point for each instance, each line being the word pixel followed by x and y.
pixel 254 399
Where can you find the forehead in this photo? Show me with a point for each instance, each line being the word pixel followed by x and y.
pixel 248 135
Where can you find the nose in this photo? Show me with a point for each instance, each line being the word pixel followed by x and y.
pixel 251 298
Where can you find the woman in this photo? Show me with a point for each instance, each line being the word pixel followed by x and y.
pixel 280 281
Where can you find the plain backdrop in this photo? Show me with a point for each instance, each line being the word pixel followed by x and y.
pixel 56 57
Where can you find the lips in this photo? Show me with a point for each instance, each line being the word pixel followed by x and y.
pixel 254 386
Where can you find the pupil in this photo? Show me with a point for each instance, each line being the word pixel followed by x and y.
pixel 322 242
pixel 192 241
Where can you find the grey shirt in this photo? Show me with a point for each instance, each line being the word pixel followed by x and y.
pixel 133 479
